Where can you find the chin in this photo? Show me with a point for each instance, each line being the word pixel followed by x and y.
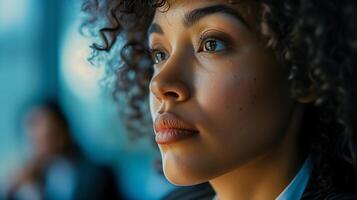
pixel 181 174
pixel 184 179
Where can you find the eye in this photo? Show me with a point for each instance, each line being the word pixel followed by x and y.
pixel 214 41
pixel 158 56
pixel 213 45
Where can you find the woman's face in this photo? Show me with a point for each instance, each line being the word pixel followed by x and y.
pixel 47 133
pixel 227 93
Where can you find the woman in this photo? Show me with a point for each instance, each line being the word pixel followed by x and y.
pixel 57 168
pixel 255 96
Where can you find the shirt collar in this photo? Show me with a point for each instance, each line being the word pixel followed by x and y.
pixel 296 187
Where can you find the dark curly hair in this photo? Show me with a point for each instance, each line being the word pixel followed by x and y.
pixel 316 40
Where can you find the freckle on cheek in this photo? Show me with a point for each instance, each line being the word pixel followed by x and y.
pixel 254 97
pixel 230 62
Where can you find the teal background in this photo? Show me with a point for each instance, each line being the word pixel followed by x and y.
pixel 42 54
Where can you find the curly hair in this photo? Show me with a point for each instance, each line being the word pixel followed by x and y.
pixel 316 40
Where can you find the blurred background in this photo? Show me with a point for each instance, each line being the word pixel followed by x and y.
pixel 44 57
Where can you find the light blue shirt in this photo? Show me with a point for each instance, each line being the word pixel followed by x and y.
pixel 296 187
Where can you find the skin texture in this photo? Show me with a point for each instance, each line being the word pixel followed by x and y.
pixel 236 97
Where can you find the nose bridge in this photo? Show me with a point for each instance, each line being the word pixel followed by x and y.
pixel 173 78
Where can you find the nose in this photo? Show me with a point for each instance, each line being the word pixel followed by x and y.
pixel 171 83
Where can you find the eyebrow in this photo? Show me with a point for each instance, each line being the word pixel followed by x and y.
pixel 196 15
pixel 155 28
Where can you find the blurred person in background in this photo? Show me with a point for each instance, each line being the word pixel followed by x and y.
pixel 57 169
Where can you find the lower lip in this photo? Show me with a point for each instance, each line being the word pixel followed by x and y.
pixel 168 136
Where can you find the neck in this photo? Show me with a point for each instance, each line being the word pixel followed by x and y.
pixel 265 176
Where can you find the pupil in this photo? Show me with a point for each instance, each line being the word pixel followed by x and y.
pixel 159 57
pixel 211 45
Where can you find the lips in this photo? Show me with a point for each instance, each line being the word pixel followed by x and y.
pixel 169 128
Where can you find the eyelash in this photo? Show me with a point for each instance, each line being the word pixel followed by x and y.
pixel 203 39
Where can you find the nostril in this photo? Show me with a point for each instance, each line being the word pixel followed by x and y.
pixel 172 94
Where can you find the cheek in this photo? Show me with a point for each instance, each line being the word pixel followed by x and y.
pixel 225 100
pixel 244 109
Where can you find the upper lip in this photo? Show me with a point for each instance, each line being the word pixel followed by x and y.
pixel 168 121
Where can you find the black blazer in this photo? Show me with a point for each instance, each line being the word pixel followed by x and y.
pixel 312 192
